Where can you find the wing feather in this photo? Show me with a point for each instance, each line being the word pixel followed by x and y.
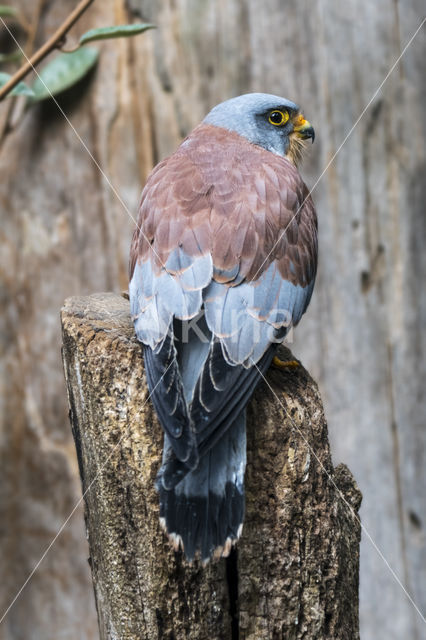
pixel 228 228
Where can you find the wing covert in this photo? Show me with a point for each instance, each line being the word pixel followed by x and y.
pixel 228 228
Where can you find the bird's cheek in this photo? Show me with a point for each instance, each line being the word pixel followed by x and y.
pixel 286 144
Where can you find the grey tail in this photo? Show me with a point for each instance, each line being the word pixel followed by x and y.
pixel 204 512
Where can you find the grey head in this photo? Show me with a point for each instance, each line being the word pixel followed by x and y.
pixel 272 122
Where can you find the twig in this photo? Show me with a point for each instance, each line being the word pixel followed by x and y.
pixel 46 48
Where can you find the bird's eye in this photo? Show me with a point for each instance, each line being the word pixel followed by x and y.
pixel 278 118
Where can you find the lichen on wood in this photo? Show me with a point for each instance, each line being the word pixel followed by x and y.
pixel 294 573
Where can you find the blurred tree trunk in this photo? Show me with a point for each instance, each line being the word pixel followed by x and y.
pixel 64 232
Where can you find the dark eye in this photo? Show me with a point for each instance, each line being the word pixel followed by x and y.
pixel 278 118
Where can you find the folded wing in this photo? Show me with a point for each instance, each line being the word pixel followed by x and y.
pixel 227 233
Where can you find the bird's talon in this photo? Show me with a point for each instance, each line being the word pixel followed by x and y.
pixel 284 364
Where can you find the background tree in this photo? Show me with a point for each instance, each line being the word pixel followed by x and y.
pixel 65 231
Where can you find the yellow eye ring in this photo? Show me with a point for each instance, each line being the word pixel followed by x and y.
pixel 278 118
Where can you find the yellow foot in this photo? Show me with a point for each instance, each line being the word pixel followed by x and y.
pixel 284 364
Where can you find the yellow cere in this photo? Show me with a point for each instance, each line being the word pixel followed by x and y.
pixel 278 118
pixel 299 122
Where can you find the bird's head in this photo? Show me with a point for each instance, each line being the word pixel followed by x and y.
pixel 274 123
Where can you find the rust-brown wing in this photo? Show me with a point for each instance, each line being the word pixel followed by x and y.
pixel 229 226
pixel 226 229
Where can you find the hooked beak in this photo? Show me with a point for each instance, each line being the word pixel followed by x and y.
pixel 303 128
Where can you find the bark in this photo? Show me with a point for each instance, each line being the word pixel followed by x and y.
pixel 64 232
pixel 294 573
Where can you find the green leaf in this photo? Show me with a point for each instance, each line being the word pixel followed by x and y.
pixel 120 31
pixel 63 72
pixel 14 56
pixel 21 88
pixel 7 12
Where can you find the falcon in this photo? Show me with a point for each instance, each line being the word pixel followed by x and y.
pixel 222 264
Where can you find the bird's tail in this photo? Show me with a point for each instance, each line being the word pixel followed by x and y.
pixel 204 512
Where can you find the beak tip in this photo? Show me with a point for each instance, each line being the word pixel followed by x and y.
pixel 305 130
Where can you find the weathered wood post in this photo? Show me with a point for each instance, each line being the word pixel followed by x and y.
pixel 294 573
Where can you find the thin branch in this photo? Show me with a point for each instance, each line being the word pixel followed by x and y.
pixel 51 44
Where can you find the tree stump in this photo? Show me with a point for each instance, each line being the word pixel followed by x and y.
pixel 293 574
